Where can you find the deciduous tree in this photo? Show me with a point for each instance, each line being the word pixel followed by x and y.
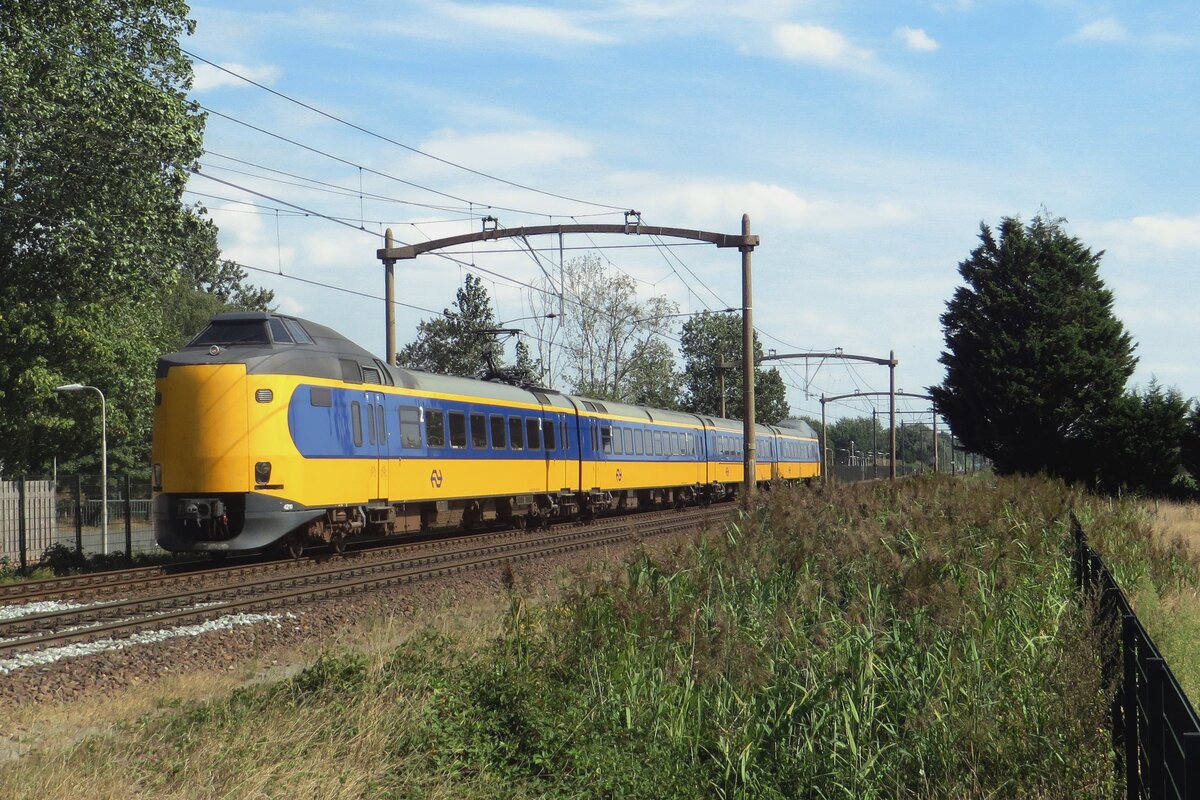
pixel 707 338
pixel 610 341
pixel 97 139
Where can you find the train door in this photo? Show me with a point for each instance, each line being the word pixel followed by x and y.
pixel 376 445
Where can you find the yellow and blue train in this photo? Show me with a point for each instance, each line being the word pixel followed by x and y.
pixel 274 430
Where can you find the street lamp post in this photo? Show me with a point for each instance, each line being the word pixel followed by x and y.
pixel 78 387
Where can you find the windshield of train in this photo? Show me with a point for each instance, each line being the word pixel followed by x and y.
pixel 248 331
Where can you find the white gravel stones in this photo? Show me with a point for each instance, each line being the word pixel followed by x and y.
pixel 43 607
pixel 54 654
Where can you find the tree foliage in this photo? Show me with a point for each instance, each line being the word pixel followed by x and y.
pixel 1139 445
pixel 462 341
pixel 97 139
pixel 611 342
pixel 707 338
pixel 1034 356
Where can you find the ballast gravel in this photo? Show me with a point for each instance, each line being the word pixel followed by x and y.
pixel 236 642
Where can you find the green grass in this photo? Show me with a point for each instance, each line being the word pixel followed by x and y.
pixel 920 639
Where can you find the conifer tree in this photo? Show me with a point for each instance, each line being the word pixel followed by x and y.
pixel 462 340
pixel 1035 358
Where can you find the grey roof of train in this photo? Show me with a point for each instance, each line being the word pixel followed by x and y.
pixel 321 360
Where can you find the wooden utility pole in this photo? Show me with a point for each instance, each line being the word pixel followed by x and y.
pixel 892 407
pixel 748 357
pixel 722 365
pixel 389 294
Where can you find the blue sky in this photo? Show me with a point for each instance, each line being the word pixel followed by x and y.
pixel 866 140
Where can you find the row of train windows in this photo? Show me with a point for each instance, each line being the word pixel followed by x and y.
pixel 455 428
pixel 795 450
pixel 635 442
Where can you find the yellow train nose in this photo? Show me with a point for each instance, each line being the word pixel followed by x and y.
pixel 200 429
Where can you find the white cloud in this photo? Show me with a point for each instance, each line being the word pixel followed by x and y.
pixel 207 77
pixel 817 44
pixel 509 150
pixel 1108 30
pixel 717 205
pixel 525 20
pixel 916 39
pixel 1164 232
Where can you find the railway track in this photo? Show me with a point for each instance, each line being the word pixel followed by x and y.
pixel 188 605
pixel 143 579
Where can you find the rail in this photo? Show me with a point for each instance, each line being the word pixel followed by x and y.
pixel 1156 731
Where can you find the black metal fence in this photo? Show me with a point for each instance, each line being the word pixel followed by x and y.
pixel 1156 732
pixel 37 513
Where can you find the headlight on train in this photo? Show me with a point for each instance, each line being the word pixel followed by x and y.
pixel 262 472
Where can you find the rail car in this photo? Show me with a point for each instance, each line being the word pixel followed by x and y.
pixel 271 430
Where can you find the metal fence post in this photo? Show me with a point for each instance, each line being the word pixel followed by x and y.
pixel 21 522
pixel 1191 767
pixel 79 514
pixel 128 523
pixel 1156 774
pixel 1129 701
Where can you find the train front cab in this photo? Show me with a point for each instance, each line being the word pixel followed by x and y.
pixel 221 459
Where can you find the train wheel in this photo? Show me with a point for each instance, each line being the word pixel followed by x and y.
pixel 295 547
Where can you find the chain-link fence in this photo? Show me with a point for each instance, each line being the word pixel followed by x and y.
pixel 37 513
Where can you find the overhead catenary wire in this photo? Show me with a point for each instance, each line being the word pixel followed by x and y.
pixel 362 194
pixel 402 145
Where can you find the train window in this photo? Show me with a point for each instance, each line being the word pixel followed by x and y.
pixel 499 440
pixel 435 428
pixel 241 331
pixel 627 435
pixel 320 396
pixel 566 440
pixel 356 422
pixel 479 431
pixel 606 443
pixel 637 443
pixel 410 427
pixel 533 433
pixel 380 426
pixel 617 441
pixel 278 332
pixel 370 425
pixel 516 440
pixel 548 435
pixel 648 438
pixel 458 429
pixel 658 443
pixel 677 443
pixel 299 335
pixel 351 372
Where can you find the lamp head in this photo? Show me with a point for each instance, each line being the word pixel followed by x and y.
pixel 69 387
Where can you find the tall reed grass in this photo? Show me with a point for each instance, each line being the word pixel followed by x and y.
pixel 917 639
